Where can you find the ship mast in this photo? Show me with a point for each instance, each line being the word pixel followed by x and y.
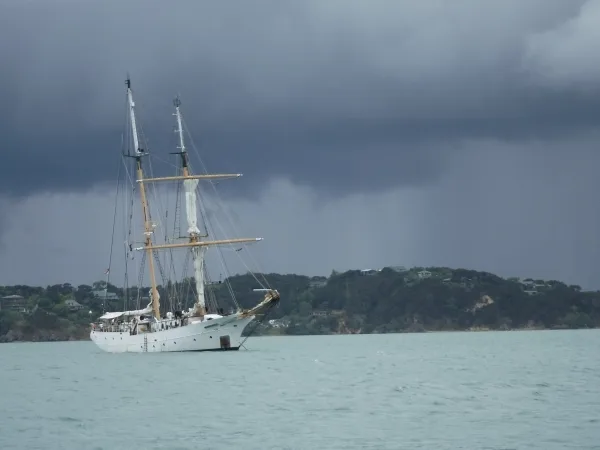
pixel 148 226
pixel 190 186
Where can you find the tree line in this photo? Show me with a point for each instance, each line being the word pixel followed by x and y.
pixel 380 301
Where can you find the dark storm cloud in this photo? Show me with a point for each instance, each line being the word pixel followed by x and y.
pixel 348 95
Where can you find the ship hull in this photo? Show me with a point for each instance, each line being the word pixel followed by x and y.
pixel 223 334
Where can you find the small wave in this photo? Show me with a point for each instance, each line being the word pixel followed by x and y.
pixel 68 419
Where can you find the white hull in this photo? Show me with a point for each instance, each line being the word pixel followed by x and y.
pixel 208 335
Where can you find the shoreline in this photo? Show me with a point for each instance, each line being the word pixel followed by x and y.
pixel 466 330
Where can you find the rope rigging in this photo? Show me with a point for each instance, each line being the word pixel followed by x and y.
pixel 257 323
pixel 140 280
pixel 263 282
pixel 178 294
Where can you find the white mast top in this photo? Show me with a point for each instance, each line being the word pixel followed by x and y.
pixel 136 143
pixel 177 104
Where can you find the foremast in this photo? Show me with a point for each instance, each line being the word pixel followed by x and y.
pixel 148 226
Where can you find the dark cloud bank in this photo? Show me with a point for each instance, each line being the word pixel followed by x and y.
pixel 470 126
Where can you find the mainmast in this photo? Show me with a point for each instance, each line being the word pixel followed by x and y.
pixel 190 186
pixel 148 226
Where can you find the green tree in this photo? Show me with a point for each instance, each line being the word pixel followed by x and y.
pixel 304 309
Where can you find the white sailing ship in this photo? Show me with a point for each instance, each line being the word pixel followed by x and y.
pixel 197 328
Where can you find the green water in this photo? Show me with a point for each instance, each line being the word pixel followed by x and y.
pixel 506 390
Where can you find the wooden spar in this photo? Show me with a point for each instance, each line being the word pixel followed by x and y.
pixel 148 243
pixel 187 176
pixel 201 243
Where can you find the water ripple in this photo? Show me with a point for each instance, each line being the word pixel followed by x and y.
pixel 534 390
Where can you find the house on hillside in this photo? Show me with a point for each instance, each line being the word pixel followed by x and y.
pixel 424 274
pixel 73 305
pixel 533 287
pixel 368 271
pixel 13 303
pixel 527 282
pixel 279 323
pixel 105 295
pixel 317 283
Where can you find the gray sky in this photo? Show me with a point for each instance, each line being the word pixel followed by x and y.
pixel 385 132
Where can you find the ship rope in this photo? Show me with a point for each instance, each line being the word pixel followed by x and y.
pixel 263 282
pixel 157 204
pixel 177 219
pixel 185 290
pixel 209 292
pixel 257 324
pixel 140 280
pixel 208 231
pixel 127 231
pixel 112 238
pixel 177 290
pixel 161 274
pixel 172 286
pixel 125 142
pixel 180 292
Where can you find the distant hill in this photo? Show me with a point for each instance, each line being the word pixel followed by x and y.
pixel 376 301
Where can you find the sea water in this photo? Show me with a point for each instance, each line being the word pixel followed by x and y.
pixel 478 390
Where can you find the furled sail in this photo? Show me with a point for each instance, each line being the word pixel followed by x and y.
pixel 198 252
pixel 137 312
pixel 198 256
pixel 190 206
